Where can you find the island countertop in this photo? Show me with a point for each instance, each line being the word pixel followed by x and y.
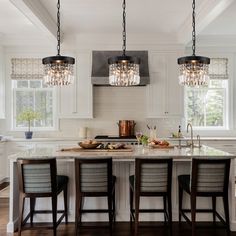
pixel 175 152
pixel 123 167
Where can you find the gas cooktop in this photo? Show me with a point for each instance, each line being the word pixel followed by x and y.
pixel 114 137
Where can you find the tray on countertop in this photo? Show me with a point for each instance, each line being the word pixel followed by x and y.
pixel 79 149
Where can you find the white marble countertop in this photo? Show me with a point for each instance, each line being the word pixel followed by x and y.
pixel 175 153
pixel 75 139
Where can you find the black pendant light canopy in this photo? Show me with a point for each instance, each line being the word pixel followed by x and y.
pixel 58 70
pixel 124 70
pixel 194 69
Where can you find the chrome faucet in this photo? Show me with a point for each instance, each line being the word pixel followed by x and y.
pixel 191 127
pixel 199 141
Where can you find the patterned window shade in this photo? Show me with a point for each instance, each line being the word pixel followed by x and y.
pixel 26 68
pixel 218 68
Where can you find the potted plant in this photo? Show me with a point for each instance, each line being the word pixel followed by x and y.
pixel 28 115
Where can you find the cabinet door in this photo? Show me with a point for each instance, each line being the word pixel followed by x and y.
pixel 174 92
pixel 164 94
pixel 2 85
pixel 156 90
pixel 3 165
pixel 75 100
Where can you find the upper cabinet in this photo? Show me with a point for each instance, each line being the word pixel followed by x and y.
pixel 76 100
pixel 164 94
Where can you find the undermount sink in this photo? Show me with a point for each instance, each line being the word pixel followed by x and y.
pixel 188 146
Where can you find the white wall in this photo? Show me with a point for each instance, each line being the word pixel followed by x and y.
pixel 113 104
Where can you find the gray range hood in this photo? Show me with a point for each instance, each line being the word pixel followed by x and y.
pixel 100 70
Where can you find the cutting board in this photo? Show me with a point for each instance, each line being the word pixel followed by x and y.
pixel 78 149
pixel 162 147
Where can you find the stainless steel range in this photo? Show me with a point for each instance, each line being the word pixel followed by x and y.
pixel 131 140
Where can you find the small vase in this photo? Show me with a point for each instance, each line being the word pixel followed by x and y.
pixel 28 134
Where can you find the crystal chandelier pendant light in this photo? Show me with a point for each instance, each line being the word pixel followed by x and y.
pixel 124 70
pixel 58 70
pixel 194 70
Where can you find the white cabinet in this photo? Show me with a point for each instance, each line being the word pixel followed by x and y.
pixel 2 85
pixel 3 164
pixel 76 100
pixel 164 94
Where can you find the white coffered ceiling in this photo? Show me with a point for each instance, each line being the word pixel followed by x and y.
pixel 34 21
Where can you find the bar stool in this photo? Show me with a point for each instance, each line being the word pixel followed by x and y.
pixel 153 178
pixel 209 178
pixel 93 178
pixel 38 179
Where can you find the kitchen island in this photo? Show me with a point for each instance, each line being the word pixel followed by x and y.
pixel 123 167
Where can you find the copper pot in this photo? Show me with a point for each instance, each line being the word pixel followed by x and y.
pixel 126 128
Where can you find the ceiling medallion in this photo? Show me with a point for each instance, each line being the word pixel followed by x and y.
pixel 194 70
pixel 58 70
pixel 124 70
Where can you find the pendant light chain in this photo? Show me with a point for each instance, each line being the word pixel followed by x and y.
pixel 58 28
pixel 124 28
pixel 194 30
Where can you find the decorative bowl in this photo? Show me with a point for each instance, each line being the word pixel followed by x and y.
pixel 89 146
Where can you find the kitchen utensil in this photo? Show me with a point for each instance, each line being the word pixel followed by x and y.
pixel 126 128
pixel 89 146
pixel 83 132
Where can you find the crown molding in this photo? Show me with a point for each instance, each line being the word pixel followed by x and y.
pixel 207 12
pixel 39 16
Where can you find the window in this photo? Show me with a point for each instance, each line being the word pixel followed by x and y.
pixel 29 92
pixel 207 108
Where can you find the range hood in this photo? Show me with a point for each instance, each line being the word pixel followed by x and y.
pixel 100 69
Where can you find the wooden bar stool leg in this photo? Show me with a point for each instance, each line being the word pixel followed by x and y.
pixel 21 213
pixel 65 204
pixel 78 213
pixel 193 214
pixel 54 214
pixel 170 213
pixel 226 210
pixel 214 208
pixel 114 206
pixel 165 211
pixel 180 203
pixel 137 200
pixel 32 208
pixel 131 200
pixel 110 212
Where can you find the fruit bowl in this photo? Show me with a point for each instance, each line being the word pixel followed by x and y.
pixel 89 145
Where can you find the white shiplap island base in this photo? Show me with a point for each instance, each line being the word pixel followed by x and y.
pixel 123 167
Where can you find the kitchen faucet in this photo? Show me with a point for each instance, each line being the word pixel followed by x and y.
pixel 191 127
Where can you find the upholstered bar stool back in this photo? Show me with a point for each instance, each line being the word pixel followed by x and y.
pixel 37 179
pixel 153 178
pixel 208 178
pixel 93 178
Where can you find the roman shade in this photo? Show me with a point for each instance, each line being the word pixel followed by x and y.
pixel 26 69
pixel 218 69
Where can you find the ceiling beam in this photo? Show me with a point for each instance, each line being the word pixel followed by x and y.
pixel 206 13
pixel 38 15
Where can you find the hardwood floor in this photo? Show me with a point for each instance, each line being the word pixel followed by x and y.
pixel 120 229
